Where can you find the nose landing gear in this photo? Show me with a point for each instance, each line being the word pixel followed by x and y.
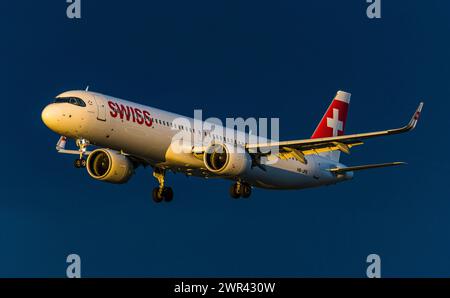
pixel 80 163
pixel 82 144
pixel 161 193
pixel 240 189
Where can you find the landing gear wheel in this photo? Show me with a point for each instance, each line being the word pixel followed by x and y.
pixel 157 195
pixel 246 191
pixel 79 163
pixel 235 190
pixel 167 193
pixel 240 189
pixel 162 192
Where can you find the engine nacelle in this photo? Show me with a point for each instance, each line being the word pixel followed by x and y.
pixel 109 166
pixel 223 159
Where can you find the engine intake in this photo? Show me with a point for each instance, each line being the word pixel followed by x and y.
pixel 225 160
pixel 109 166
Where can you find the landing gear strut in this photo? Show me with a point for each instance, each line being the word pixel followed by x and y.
pixel 162 192
pixel 82 145
pixel 240 189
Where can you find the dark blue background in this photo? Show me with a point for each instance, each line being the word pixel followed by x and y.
pixel 281 59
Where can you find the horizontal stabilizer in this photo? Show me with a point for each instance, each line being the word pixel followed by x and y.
pixel 365 167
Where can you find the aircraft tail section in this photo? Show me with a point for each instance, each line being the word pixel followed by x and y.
pixel 333 122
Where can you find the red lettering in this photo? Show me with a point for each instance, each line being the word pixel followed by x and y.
pixel 128 113
pixel 132 113
pixel 148 120
pixel 139 117
pixel 122 112
pixel 113 107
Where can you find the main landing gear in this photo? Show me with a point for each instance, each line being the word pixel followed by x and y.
pixel 162 192
pixel 82 145
pixel 240 189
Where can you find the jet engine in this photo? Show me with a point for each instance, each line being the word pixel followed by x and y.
pixel 109 166
pixel 226 160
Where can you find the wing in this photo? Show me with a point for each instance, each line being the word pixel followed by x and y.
pixel 300 148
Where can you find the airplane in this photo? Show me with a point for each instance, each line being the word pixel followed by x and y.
pixel 128 135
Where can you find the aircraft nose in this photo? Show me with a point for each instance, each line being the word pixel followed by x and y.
pixel 50 116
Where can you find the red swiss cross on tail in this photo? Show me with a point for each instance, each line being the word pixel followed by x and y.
pixel 333 121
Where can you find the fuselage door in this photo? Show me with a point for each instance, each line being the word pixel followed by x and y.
pixel 101 108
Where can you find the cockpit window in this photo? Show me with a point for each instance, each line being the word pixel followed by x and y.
pixel 72 100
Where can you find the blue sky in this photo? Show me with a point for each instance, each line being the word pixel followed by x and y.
pixel 282 59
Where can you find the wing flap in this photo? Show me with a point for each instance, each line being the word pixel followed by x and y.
pixel 326 147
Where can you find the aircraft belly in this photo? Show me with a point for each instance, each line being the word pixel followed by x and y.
pixel 283 174
pixel 290 174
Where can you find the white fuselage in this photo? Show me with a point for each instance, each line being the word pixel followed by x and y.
pixel 147 133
